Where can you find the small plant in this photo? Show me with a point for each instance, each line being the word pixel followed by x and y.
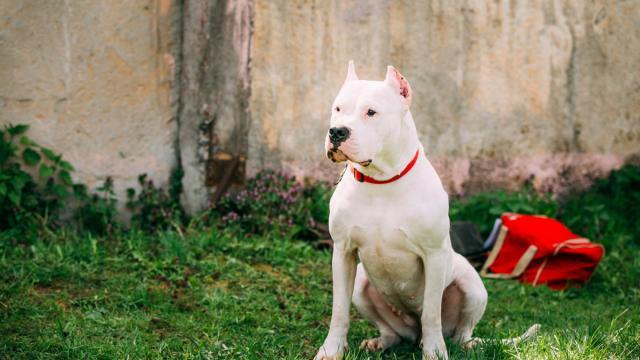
pixel 606 212
pixel 154 208
pixel 36 186
pixel 274 201
pixel 34 181
pixel 97 212
pixel 608 209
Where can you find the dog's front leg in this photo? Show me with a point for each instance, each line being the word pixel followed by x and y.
pixel 343 267
pixel 436 266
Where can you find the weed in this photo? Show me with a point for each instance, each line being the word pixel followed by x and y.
pixel 155 208
pixel 34 182
pixel 608 212
pixel 608 208
pixel 273 202
pixel 98 211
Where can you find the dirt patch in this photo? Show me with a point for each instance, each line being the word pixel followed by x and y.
pixel 266 268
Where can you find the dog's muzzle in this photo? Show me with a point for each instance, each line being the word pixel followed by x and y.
pixel 336 137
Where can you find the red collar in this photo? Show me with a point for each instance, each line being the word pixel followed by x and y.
pixel 368 179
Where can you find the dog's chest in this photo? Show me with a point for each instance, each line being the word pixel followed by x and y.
pixel 391 229
pixel 391 264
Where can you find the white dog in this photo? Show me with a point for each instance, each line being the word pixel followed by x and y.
pixel 390 211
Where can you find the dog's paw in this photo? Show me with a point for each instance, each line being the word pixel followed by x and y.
pixel 470 344
pixel 434 356
pixel 327 352
pixel 433 349
pixel 380 343
pixel 375 344
pixel 321 355
pixel 326 357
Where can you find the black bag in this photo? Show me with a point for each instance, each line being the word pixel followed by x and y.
pixel 466 241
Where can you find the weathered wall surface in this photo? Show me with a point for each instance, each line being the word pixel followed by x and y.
pixel 503 89
pixel 214 92
pixel 94 79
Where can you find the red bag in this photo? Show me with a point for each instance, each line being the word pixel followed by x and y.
pixel 540 250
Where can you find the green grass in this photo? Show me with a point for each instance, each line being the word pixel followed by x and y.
pixel 212 295
pixel 205 294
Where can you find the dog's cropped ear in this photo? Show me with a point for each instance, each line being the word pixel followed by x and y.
pixel 351 72
pixel 399 83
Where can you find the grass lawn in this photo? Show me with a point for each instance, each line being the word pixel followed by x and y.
pixel 207 294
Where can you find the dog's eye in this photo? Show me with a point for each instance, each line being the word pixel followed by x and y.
pixel 338 108
pixel 370 113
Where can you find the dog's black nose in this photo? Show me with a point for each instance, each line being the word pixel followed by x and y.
pixel 338 134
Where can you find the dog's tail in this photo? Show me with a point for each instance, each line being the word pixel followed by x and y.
pixel 528 335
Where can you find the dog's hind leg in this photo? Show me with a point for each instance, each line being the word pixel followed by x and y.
pixel 370 304
pixel 474 300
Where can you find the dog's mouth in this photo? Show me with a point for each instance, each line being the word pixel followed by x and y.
pixel 338 156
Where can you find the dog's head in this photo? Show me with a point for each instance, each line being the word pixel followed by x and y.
pixel 366 117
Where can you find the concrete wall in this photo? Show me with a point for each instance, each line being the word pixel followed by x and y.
pixel 94 80
pixel 214 91
pixel 503 90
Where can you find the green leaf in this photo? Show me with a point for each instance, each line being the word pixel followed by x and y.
pixel 60 190
pixel 18 181
pixel 80 190
pixel 30 201
pixel 66 165
pixel 17 129
pixel 30 156
pixel 527 209
pixel 14 197
pixel 3 189
pixel 65 177
pixel 49 154
pixel 24 140
pixel 46 171
pixel 7 151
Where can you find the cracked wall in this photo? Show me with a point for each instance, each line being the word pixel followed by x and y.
pixel 504 90
pixel 215 85
pixel 94 80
